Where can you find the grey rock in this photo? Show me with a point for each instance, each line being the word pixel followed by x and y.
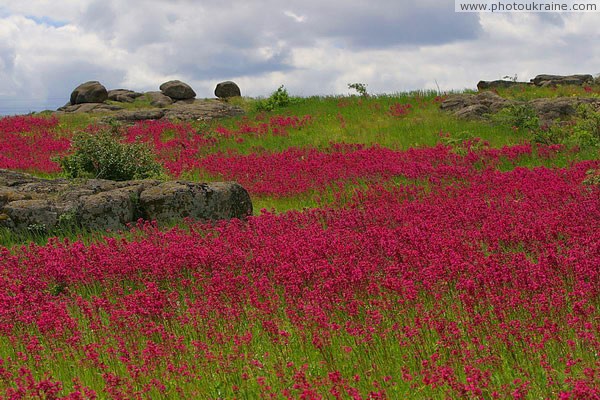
pixel 172 200
pixel 474 111
pixel 27 201
pixel 137 115
pixel 91 107
pixel 23 214
pixel 89 92
pixel 177 90
pixel 186 101
pixel 474 105
pixel 552 80
pixel 486 85
pixel 560 108
pixel 162 106
pixel 227 89
pixel 159 99
pixel 123 95
pixel 107 210
pixel 483 104
pixel 204 110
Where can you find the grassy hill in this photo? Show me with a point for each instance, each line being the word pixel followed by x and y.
pixel 395 252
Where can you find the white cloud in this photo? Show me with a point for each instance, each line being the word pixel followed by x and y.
pixel 312 47
pixel 294 16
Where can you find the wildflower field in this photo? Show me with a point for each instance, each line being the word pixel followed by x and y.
pixel 395 252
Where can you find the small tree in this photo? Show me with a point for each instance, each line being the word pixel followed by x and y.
pixel 279 98
pixel 361 88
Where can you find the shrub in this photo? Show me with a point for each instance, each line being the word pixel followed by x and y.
pixel 582 131
pixel 279 98
pixel 361 88
pixel 586 131
pixel 521 116
pixel 103 156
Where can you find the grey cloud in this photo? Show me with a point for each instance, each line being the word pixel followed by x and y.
pixel 555 19
pixel 101 18
pixel 234 63
pixel 8 56
pixel 388 23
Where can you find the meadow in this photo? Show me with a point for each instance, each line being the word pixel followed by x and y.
pixel 394 252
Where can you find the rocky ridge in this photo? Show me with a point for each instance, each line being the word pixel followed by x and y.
pixel 542 80
pixel 28 202
pixel 175 100
pixel 483 104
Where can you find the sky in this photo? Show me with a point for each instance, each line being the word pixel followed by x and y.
pixel 312 47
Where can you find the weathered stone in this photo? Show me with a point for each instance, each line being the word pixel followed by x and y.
pixel 552 80
pixel 14 178
pixel 8 195
pixel 227 89
pixel 23 214
pixel 107 210
pixel 177 90
pixel 475 111
pixel 138 115
pixel 202 110
pixel 91 107
pixel 474 105
pixel 549 109
pixel 27 201
pixel 172 200
pixel 185 101
pixel 485 85
pixel 89 92
pixel 481 105
pixel 123 95
pixel 159 99
pixel 161 106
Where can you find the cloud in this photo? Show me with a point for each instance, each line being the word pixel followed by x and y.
pixel 310 46
pixel 294 16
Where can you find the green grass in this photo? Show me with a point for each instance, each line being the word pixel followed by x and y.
pixel 348 119
pixel 376 356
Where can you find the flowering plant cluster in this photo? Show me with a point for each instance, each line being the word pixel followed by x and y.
pixel 484 287
pixel 30 143
pixel 435 272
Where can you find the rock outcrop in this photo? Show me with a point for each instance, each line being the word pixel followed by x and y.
pixel 123 95
pixel 174 101
pixel 540 80
pixel 474 106
pixel 198 110
pixel 227 89
pixel 28 202
pixel 481 105
pixel 89 92
pixel 177 90
pixel 487 85
pixel 159 99
pixel 553 80
pixel 90 108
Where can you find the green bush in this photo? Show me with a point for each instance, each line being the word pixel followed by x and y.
pixel 586 131
pixel 556 133
pixel 279 98
pixel 361 88
pixel 103 156
pixel 583 130
pixel 521 116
